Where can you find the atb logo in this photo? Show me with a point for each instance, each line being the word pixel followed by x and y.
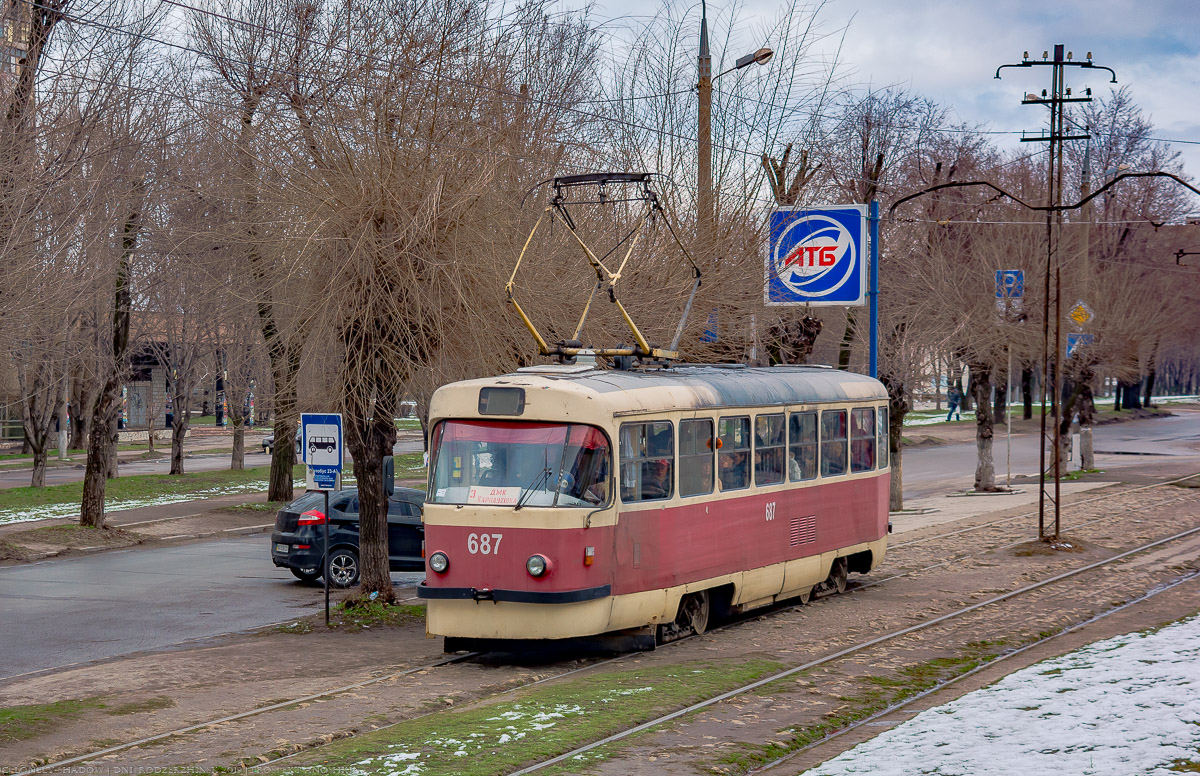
pixel 816 256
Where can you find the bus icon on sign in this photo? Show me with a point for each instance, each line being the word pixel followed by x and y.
pixel 817 256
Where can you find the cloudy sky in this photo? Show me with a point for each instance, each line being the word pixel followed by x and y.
pixel 949 50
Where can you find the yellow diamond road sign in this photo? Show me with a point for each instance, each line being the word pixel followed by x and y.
pixel 1081 314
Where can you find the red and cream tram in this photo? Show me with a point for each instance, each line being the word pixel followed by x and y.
pixel 569 501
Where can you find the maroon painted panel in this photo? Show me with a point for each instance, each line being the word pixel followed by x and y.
pixel 662 547
pixel 505 569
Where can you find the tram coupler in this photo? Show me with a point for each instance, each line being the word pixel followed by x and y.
pixel 482 594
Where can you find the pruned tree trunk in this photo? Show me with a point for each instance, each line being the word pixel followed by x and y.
pixel 1067 412
pixel 114 437
pixel 1087 412
pixel 370 435
pixel 180 420
pixel 1027 392
pixel 1133 395
pixel 285 366
pixel 847 343
pixel 99 451
pixel 981 388
pixel 102 442
pixel 898 407
pixel 39 467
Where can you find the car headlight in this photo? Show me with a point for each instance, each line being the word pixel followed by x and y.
pixel 536 565
pixel 439 562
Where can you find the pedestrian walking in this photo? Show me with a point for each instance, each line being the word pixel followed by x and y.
pixel 954 398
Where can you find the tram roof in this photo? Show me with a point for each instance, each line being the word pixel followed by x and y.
pixel 698 387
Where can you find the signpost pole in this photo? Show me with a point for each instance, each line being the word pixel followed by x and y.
pixel 321 444
pixel 874 292
pixel 325 555
pixel 1008 417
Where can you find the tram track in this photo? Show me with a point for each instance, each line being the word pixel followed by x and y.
pixel 866 645
pixel 741 621
pixel 1015 652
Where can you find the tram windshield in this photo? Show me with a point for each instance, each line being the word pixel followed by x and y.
pixel 517 464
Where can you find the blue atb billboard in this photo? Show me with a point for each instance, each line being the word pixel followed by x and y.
pixel 818 256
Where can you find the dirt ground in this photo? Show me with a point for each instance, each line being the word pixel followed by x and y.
pixel 382 679
pixel 380 675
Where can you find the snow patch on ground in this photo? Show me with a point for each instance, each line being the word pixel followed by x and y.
pixel 71 509
pixel 1126 706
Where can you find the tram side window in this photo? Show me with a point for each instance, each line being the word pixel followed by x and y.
pixel 802 446
pixel 833 443
pixel 768 449
pixel 733 455
pixel 884 441
pixel 862 439
pixel 647 461
pixel 695 457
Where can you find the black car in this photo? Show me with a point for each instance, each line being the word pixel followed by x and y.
pixel 268 444
pixel 298 538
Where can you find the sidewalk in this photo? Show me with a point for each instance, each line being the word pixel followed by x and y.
pixel 949 508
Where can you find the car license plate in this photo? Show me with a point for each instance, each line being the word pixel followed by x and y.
pixel 281 548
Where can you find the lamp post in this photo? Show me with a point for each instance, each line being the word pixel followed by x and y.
pixel 704 194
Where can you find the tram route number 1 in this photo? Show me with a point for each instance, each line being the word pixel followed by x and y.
pixel 484 544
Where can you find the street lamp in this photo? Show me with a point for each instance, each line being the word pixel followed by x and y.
pixel 704 195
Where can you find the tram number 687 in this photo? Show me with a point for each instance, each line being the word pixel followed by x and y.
pixel 484 544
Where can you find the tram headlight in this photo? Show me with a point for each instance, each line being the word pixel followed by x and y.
pixel 439 562
pixel 536 565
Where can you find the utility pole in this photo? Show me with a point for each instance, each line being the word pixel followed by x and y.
pixel 704 196
pixel 705 217
pixel 1058 96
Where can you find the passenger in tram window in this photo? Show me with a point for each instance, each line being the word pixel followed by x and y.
pixel 656 479
pixel 794 471
pixel 734 471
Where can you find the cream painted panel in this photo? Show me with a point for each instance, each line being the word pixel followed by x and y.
pixel 759 583
pixel 801 574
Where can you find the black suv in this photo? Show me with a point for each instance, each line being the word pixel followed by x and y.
pixel 297 541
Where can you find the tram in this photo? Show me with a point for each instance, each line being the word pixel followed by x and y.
pixel 567 500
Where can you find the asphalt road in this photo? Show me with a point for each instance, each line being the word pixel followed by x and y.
pixel 61 612
pixel 197 461
pixel 931 470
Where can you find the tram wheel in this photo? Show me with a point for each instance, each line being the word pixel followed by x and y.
pixel 837 576
pixel 694 611
pixel 806 596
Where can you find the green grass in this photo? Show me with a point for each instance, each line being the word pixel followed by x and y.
pixel 877 693
pixel 138 486
pixel 255 507
pixel 354 616
pixel 21 722
pixel 137 707
pixel 539 723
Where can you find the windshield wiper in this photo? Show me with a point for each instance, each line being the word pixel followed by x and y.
pixel 528 490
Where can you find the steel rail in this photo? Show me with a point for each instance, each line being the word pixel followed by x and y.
pixel 978 669
pixel 847 651
pixel 461 658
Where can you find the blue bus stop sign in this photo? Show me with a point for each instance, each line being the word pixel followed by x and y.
pixel 321 437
